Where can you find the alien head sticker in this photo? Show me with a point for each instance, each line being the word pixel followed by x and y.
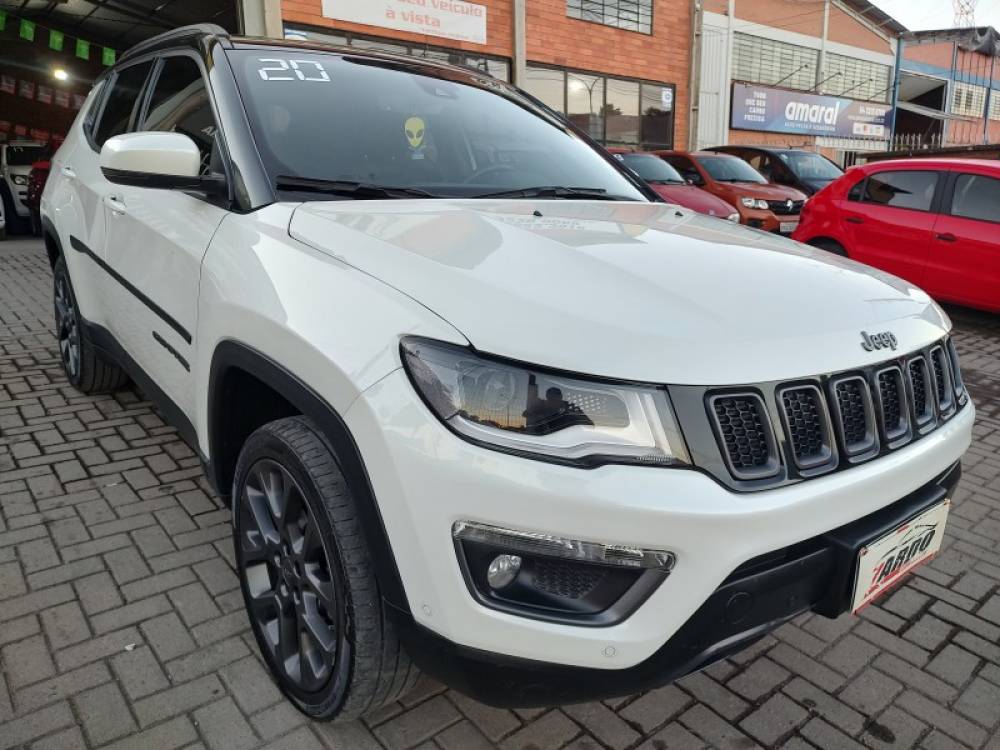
pixel 415 130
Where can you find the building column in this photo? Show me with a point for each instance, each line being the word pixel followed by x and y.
pixel 520 43
pixel 260 18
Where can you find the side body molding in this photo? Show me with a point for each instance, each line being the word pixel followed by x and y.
pixel 231 355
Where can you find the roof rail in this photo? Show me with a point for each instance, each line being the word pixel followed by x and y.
pixel 173 36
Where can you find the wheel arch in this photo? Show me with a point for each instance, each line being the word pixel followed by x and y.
pixel 828 243
pixel 53 247
pixel 235 365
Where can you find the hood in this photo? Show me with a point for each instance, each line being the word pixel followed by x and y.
pixel 638 291
pixel 694 198
pixel 769 192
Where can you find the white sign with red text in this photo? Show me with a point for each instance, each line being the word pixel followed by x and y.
pixel 452 19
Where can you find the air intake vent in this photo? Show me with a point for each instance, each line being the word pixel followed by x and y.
pixel 855 416
pixel 807 425
pixel 943 387
pixel 956 373
pixel 892 405
pixel 745 435
pixel 569 580
pixel 921 388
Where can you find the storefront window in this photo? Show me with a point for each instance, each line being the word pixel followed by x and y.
pixel 548 86
pixel 585 103
pixel 614 111
pixel 621 113
pixel 657 116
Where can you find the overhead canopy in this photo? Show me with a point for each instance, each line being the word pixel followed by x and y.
pixel 936 114
pixel 985 39
pixel 122 23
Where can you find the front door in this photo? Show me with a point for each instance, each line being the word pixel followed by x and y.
pixel 889 224
pixel 157 239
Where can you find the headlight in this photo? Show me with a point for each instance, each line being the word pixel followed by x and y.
pixel 734 216
pixel 19 179
pixel 541 413
pixel 748 202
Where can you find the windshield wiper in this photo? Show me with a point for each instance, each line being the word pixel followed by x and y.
pixel 555 191
pixel 359 190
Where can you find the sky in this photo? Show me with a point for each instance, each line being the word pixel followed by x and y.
pixel 937 14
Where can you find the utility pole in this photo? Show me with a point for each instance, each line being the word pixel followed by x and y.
pixel 261 18
pixel 520 43
pixel 694 84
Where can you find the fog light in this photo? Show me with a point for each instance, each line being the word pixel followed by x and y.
pixel 503 570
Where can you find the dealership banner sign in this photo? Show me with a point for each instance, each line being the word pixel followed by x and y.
pixel 452 19
pixel 782 111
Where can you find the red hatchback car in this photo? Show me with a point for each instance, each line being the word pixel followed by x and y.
pixel 933 222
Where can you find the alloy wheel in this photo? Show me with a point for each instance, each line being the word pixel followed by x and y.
pixel 293 599
pixel 66 327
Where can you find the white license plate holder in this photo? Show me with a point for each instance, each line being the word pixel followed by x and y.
pixel 886 561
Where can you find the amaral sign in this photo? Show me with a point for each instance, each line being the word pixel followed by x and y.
pixel 782 111
pixel 452 19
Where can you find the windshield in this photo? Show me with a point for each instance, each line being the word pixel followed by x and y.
pixel 730 169
pixel 810 166
pixel 651 168
pixel 24 156
pixel 447 133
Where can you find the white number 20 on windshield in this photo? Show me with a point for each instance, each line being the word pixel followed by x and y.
pixel 289 70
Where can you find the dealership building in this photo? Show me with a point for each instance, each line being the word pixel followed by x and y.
pixel 784 73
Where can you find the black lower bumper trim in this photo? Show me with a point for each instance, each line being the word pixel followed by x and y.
pixel 816 575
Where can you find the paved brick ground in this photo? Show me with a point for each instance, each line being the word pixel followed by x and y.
pixel 121 623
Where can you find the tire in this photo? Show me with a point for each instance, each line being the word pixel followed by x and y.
pixel 15 224
pixel 831 246
pixel 85 368
pixel 308 578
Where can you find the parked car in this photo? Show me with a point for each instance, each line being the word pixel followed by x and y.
pixel 16 159
pixel 669 185
pixel 36 184
pixel 773 208
pixel 933 222
pixel 805 171
pixel 481 404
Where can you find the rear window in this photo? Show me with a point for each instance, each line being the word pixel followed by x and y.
pixel 24 156
pixel 976 197
pixel 909 189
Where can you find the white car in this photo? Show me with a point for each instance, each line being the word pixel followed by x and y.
pixel 482 406
pixel 16 159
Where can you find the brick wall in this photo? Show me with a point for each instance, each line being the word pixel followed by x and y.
pixel 931 54
pixel 777 140
pixel 846 29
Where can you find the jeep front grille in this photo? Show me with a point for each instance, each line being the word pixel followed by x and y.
pixel 744 433
pixel 831 421
pixel 807 426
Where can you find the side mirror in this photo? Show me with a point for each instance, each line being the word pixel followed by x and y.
pixel 169 161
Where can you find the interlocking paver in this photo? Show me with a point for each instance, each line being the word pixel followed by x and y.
pixel 120 611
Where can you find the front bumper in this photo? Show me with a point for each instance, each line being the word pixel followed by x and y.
pixel 426 479
pixel 816 575
pixel 766 219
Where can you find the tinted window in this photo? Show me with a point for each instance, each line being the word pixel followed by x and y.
pixel 121 102
pixel 23 156
pixel 902 189
pixel 976 197
pixel 857 191
pixel 448 132
pixel 179 103
pixel 730 169
pixel 651 168
pixel 810 166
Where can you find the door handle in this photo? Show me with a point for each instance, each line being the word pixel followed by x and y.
pixel 947 237
pixel 854 220
pixel 67 171
pixel 115 203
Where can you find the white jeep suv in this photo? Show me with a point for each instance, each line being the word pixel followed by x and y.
pixel 482 406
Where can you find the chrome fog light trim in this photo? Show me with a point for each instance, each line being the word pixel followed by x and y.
pixel 549 545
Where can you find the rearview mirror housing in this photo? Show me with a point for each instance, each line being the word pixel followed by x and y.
pixel 164 160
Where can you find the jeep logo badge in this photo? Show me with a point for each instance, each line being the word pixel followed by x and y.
pixel 883 340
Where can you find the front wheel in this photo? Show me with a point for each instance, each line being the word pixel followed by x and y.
pixel 307 576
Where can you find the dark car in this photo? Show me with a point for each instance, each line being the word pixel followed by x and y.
pixel 36 184
pixel 803 170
